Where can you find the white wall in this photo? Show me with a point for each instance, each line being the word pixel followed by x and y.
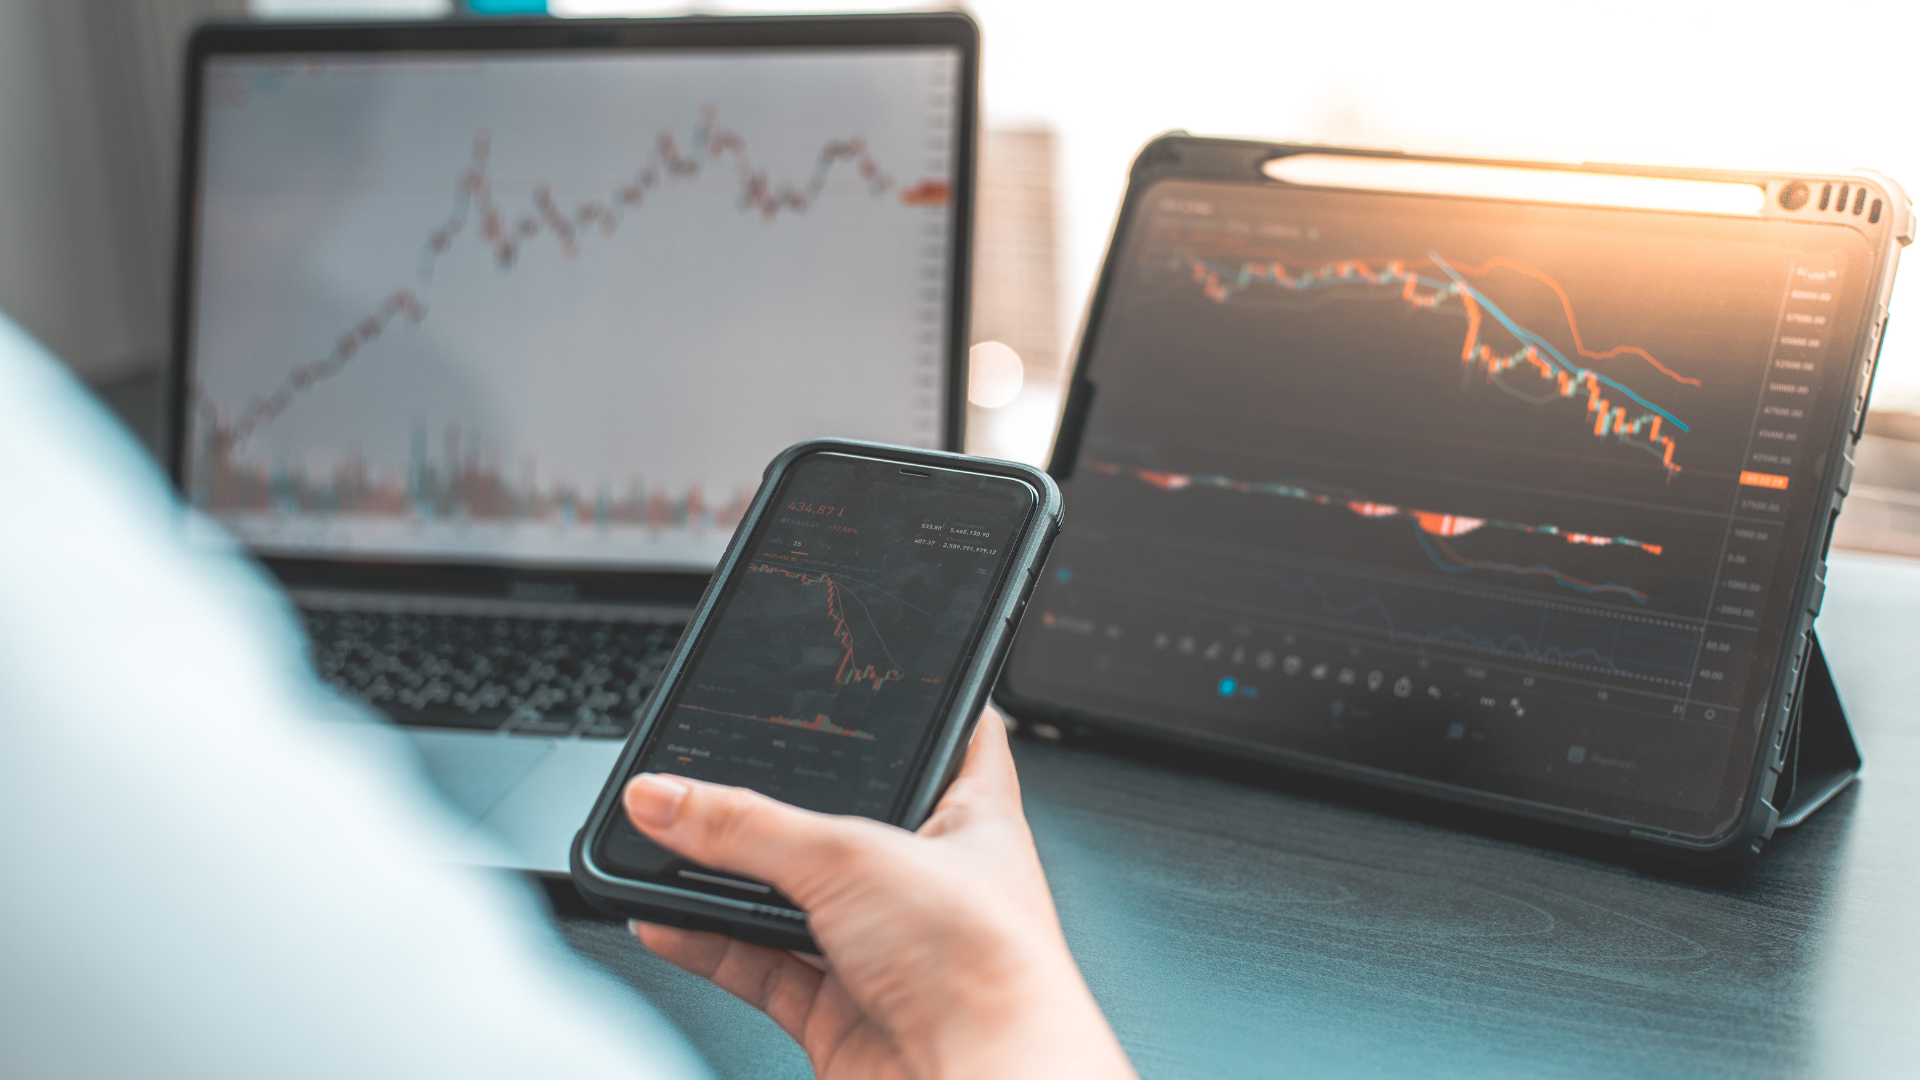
pixel 89 107
pixel 53 254
pixel 1771 84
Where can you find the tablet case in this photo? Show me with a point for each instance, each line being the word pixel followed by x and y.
pixel 1814 756
pixel 1814 759
pixel 1819 758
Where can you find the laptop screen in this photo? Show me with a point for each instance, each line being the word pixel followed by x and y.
pixel 558 309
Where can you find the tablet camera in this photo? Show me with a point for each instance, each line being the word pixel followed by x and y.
pixel 1794 196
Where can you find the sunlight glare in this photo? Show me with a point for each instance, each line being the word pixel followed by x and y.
pixel 1528 185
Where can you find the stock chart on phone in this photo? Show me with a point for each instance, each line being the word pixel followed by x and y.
pixel 558 309
pixel 840 637
pixel 1462 490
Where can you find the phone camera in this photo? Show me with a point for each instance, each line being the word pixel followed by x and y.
pixel 1794 196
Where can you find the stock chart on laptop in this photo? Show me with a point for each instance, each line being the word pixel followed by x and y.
pixel 558 309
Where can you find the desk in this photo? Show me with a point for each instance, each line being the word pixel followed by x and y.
pixel 1292 926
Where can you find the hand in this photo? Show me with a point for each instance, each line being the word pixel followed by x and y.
pixel 943 953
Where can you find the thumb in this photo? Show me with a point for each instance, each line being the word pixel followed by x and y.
pixel 735 829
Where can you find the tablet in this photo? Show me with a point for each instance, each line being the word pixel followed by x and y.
pixel 1507 483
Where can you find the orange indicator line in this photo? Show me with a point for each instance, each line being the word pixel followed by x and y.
pixel 1573 326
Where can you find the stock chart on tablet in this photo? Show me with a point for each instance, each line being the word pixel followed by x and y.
pixel 1500 491
pixel 558 309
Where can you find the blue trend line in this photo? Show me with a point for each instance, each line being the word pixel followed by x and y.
pixel 1557 575
pixel 1534 339
pixel 1456 284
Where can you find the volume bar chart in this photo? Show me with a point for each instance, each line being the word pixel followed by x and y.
pixel 820 722
pixel 459 485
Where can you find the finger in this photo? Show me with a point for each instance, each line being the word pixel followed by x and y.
pixel 746 832
pixel 812 960
pixel 771 980
pixel 987 784
pixel 990 756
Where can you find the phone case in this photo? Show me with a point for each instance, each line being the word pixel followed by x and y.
pixel 772 924
pixel 1805 754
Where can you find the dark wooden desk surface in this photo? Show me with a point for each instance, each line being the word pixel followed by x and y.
pixel 1236 926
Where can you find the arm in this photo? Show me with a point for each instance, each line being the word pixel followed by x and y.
pixel 214 869
pixel 943 953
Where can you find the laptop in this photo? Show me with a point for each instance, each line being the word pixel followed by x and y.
pixel 486 331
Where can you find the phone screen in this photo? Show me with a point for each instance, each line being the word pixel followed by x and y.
pixel 836 642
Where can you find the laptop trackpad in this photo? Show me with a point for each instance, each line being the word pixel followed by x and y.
pixel 476 771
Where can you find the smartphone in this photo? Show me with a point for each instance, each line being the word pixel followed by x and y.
pixel 838 662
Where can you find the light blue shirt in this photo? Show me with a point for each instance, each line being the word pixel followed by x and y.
pixel 212 866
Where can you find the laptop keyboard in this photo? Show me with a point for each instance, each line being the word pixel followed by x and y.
pixel 523 676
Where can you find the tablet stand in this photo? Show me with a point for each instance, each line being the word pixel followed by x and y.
pixel 1821 758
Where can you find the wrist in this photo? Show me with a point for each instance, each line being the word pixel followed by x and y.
pixel 1027 1013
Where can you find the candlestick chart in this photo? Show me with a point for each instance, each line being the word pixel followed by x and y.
pixel 842 617
pixel 1525 363
pixel 611 307
pixel 229 482
pixel 505 233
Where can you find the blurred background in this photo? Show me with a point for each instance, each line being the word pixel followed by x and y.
pixel 89 101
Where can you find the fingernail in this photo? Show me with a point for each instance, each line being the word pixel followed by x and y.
pixel 653 799
pixel 633 926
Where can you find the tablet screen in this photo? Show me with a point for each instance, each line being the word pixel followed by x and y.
pixel 1505 496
